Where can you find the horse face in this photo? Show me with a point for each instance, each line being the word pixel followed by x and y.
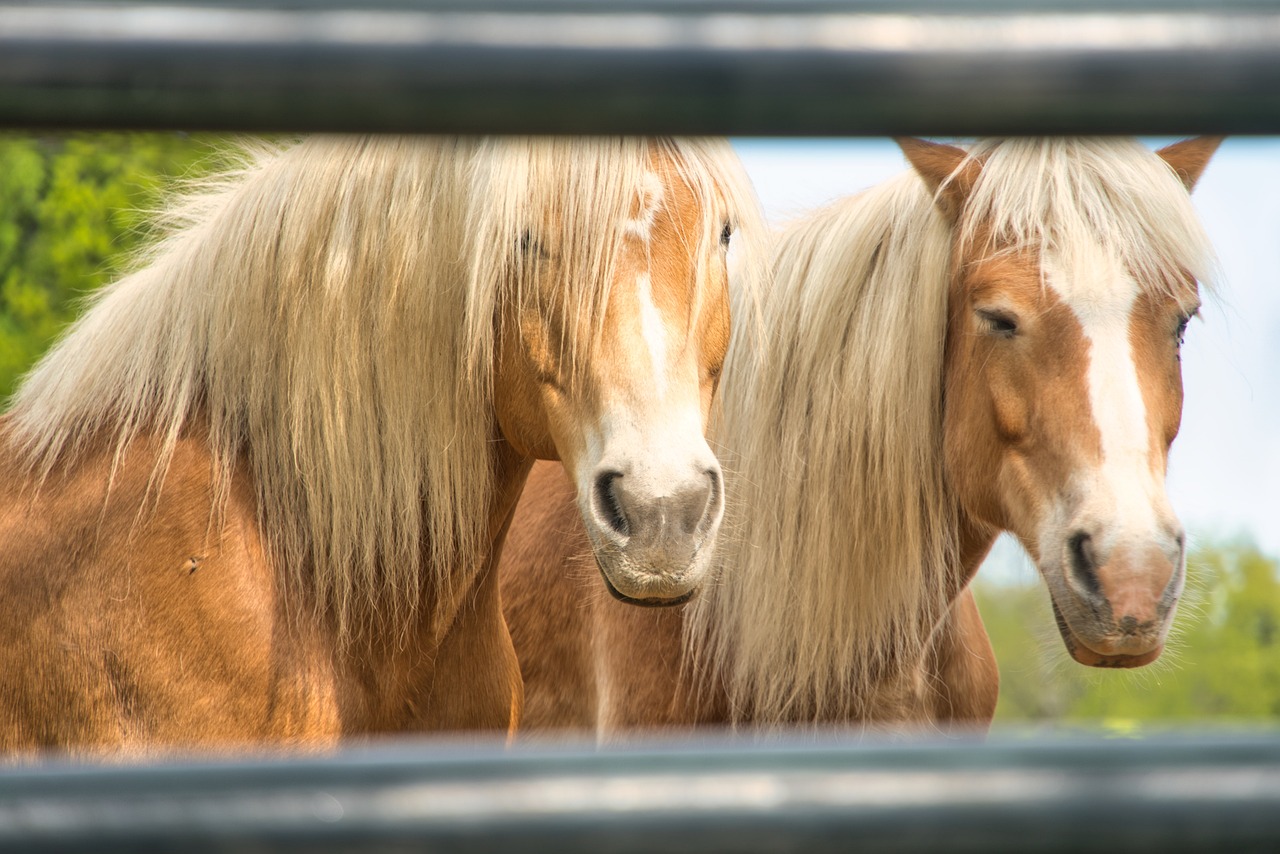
pixel 629 421
pixel 1063 393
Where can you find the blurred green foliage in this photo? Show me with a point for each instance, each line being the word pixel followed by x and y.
pixel 1222 663
pixel 72 209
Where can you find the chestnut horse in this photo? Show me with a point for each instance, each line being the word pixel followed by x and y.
pixel 256 495
pixel 987 343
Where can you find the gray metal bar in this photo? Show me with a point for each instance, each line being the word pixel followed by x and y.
pixel 1077 795
pixel 716 66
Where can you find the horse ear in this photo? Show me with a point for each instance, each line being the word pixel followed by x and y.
pixel 941 168
pixel 1189 157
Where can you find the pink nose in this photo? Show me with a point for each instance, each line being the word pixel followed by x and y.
pixel 1124 595
pixel 1131 579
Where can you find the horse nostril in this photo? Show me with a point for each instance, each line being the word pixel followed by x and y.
pixel 1083 563
pixel 716 489
pixel 607 504
pixel 698 504
pixel 715 499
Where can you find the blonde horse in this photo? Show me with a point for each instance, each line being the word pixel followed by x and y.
pixel 989 342
pixel 256 495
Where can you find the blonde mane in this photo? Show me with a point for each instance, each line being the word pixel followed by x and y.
pixel 328 312
pixel 842 530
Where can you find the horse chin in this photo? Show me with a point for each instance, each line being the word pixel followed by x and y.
pixel 651 578
pixel 627 583
pixel 648 602
pixel 1081 652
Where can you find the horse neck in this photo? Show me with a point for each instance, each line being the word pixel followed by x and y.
pixel 510 471
pixel 898 695
pixel 855 689
pixel 439 608
pixel 975 540
pixel 857 534
pixel 455 636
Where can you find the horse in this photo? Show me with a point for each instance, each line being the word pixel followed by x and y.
pixel 989 342
pixel 256 495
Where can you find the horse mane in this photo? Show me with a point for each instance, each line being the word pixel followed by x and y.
pixel 328 310
pixel 842 531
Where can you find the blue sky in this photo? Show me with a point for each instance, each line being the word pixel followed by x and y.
pixel 1224 471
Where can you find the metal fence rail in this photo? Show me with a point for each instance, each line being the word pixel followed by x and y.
pixel 947 67
pixel 1077 795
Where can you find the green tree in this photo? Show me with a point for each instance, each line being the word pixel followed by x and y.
pixel 72 210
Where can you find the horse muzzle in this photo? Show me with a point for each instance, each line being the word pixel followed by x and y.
pixel 653 533
pixel 1113 607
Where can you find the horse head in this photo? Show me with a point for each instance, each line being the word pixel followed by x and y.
pixel 619 385
pixel 1063 385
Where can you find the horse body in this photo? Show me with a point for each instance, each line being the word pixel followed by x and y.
pixel 987 343
pixel 148 626
pixel 256 496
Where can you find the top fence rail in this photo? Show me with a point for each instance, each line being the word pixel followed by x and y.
pixel 744 67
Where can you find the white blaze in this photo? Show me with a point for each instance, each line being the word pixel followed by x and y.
pixel 650 201
pixel 1124 489
pixel 652 328
pixel 654 331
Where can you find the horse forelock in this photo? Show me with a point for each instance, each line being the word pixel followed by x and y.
pixel 1076 197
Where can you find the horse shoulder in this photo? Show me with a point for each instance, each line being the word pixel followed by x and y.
pixel 136 613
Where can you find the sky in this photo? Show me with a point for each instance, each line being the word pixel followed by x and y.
pixel 1224 469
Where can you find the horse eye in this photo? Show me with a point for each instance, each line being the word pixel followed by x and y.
pixel 999 323
pixel 726 234
pixel 530 245
pixel 1181 333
